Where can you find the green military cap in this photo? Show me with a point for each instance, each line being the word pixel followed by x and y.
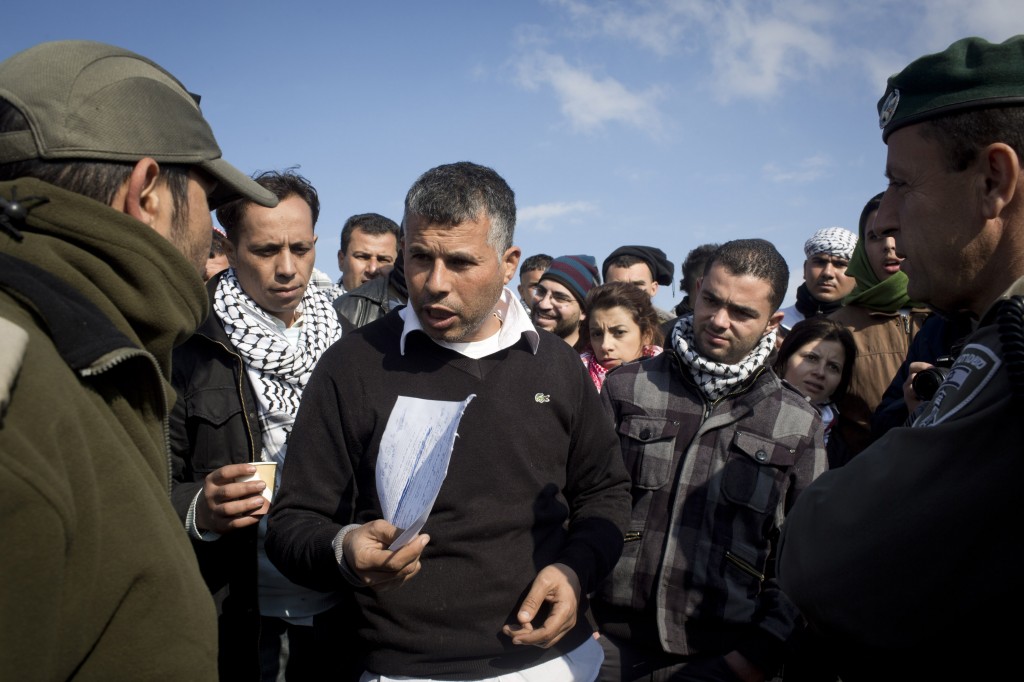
pixel 972 73
pixel 94 102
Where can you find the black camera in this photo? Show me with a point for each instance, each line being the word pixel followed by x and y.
pixel 926 382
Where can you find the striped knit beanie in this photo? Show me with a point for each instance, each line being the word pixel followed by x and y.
pixel 578 274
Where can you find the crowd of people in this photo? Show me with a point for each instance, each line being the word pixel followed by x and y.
pixel 557 482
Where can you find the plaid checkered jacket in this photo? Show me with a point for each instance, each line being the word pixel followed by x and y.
pixel 711 485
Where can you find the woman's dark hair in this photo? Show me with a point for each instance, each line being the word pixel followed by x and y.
pixel 633 299
pixel 813 329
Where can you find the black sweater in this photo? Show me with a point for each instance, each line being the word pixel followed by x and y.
pixel 535 478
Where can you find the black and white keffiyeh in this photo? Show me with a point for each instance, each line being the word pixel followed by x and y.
pixel 277 370
pixel 715 379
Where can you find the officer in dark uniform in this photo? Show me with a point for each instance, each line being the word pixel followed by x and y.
pixel 906 561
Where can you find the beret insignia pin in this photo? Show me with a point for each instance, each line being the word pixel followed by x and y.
pixel 889 108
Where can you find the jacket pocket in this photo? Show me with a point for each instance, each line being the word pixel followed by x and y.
pixel 755 470
pixel 647 447
pixel 216 429
pixel 214 406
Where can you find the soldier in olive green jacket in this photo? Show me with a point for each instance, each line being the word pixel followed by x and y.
pixel 99 280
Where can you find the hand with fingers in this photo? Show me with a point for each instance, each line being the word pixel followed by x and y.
pixel 557 586
pixel 225 505
pixel 366 552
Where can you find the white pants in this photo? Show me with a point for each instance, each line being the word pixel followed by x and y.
pixel 582 664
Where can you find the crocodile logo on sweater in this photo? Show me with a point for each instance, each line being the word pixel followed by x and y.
pixel 542 398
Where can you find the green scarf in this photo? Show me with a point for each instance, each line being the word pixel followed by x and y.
pixel 887 296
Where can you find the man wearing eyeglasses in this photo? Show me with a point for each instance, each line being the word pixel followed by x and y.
pixel 558 298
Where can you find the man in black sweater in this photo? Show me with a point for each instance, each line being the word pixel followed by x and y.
pixel 531 512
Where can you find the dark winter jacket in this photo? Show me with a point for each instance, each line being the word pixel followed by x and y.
pixel 712 483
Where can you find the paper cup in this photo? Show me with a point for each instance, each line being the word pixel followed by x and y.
pixel 266 472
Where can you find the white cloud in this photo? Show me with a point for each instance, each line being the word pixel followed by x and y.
pixel 754 56
pixel 543 216
pixel 658 26
pixel 948 20
pixel 757 49
pixel 589 102
pixel 806 170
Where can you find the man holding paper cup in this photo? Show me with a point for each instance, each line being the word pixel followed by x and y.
pixel 239 381
pixel 455 416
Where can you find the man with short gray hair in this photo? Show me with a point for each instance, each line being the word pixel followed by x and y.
pixel 529 517
pixel 108 172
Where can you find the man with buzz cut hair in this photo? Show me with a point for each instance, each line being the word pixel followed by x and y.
pixel 719 449
pixel 906 560
pixel 239 380
pixel 108 172
pixel 530 509
pixel 369 248
pixel 530 272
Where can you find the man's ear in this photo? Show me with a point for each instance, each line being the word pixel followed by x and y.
pixel 773 322
pixel 510 261
pixel 1000 171
pixel 229 250
pixel 138 196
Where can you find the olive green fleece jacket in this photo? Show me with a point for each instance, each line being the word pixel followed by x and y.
pixel 98 580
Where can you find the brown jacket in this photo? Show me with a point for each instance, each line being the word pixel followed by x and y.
pixel 882 341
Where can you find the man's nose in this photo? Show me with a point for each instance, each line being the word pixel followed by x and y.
pixel 438 279
pixel 720 318
pixel 286 265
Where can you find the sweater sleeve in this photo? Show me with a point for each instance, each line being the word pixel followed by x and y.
pixel 597 487
pixel 317 490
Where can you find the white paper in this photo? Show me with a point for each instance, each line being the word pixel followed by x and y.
pixel 413 460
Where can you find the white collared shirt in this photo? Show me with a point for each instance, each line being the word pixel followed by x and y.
pixel 516 323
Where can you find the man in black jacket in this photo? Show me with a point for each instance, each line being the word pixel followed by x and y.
pixel 239 381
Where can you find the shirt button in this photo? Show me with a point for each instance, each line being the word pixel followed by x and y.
pixel 645 434
pixel 761 456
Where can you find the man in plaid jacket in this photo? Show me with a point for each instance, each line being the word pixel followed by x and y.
pixel 718 450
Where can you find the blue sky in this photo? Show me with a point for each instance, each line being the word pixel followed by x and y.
pixel 667 123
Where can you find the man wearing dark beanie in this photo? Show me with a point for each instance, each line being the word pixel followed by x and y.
pixel 559 297
pixel 907 559
pixel 645 266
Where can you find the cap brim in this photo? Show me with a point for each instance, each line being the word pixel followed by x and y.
pixel 234 184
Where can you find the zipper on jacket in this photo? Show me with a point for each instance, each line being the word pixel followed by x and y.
pixel 165 422
pixel 744 566
pixel 253 455
pixel 633 535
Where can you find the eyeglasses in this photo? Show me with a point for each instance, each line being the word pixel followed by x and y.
pixel 558 299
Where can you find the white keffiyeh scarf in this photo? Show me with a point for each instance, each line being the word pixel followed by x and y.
pixel 715 379
pixel 277 370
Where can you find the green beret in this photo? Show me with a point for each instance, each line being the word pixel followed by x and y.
pixel 972 73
